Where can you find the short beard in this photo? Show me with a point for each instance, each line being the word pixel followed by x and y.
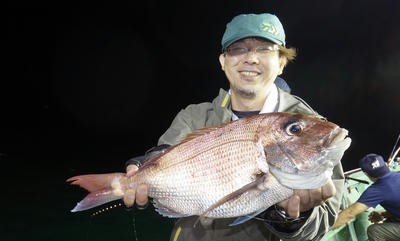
pixel 248 94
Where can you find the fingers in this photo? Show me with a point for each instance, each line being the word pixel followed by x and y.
pixel 328 190
pixel 129 198
pixel 318 196
pixel 293 208
pixel 314 197
pixel 375 217
pixel 284 204
pixel 140 195
pixel 131 169
pixel 372 214
pixel 309 198
pixel 306 199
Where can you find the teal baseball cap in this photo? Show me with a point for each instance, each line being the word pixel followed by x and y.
pixel 263 25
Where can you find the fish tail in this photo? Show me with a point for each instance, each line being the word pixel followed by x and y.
pixel 103 188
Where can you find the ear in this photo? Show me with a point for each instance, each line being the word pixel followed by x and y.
pixel 222 61
pixel 282 64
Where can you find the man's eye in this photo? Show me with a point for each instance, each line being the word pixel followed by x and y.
pixel 263 49
pixel 239 49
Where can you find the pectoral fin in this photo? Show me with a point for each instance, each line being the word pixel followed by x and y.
pixel 233 195
pixel 243 219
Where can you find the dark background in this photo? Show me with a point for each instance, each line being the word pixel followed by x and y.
pixel 87 85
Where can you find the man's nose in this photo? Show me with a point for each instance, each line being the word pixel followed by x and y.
pixel 252 57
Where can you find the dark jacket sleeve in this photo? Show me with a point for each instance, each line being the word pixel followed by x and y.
pixel 140 160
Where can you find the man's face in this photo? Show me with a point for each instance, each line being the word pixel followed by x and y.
pixel 254 71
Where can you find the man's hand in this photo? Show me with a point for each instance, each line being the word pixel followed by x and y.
pixel 305 199
pixel 376 217
pixel 140 194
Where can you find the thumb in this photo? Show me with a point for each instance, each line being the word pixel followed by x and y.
pixel 131 169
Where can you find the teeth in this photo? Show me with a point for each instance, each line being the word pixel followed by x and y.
pixel 249 73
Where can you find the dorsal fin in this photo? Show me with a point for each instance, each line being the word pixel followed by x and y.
pixel 209 129
pixel 202 131
pixel 232 196
pixel 189 137
pixel 154 158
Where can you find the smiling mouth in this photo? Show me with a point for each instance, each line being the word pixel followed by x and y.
pixel 248 73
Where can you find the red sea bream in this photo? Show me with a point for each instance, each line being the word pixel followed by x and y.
pixel 236 169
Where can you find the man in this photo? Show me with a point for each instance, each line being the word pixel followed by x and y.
pixel 253 55
pixel 384 191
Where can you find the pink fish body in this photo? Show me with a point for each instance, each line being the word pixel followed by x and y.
pixel 235 169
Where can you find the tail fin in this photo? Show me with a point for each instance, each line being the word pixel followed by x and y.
pixel 103 188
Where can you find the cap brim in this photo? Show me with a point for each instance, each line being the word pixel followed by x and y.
pixel 242 36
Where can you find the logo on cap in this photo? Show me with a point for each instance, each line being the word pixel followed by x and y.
pixel 375 164
pixel 270 28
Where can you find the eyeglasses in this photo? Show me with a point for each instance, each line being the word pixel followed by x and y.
pixel 239 51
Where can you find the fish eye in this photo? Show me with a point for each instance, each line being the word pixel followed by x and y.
pixel 294 129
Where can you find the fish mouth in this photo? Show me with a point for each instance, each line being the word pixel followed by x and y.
pixel 336 144
pixel 338 140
